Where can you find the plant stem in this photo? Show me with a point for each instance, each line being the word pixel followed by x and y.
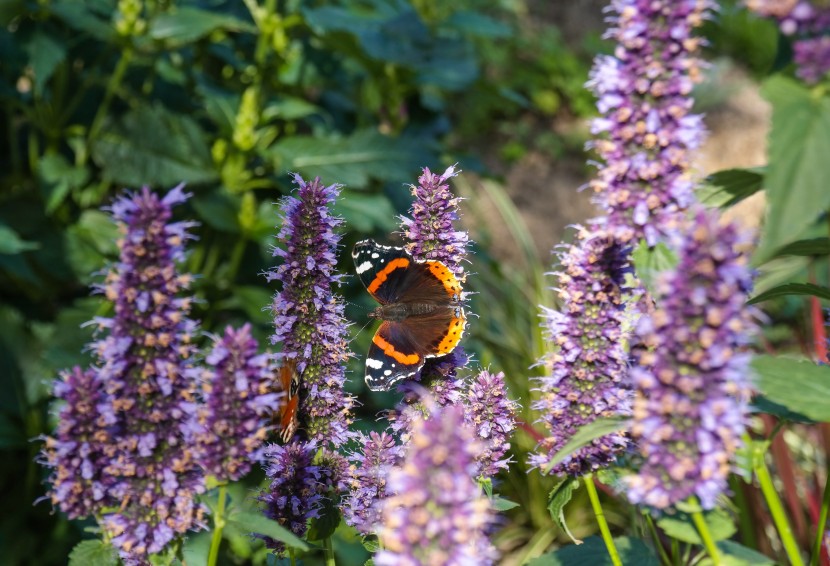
pixel 706 536
pixel 822 523
pixel 656 536
pixel 777 511
pixel 329 552
pixel 600 515
pixel 218 526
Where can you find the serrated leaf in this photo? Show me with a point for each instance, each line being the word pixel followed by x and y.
pixel 593 552
pixel 800 385
pixel 681 527
pixel 324 525
pixel 502 504
pixel 811 247
pixel 799 143
pixel 11 243
pixel 251 522
pixel 93 553
pixel 559 496
pixel 791 289
pixel 731 186
pixel 187 24
pixel 586 434
pixel 650 262
pixel 152 146
pixel 370 543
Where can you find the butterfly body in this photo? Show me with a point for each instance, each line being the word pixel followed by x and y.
pixel 420 308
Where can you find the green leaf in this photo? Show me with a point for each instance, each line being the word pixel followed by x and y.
pixel 811 247
pixel 749 556
pixel 93 553
pixel 219 210
pixel 59 178
pixel 650 262
pixel 731 186
pixel 502 504
pixel 477 24
pixel 12 433
pixel 586 434
pixel 90 242
pixel 45 54
pixel 187 24
pixel 799 144
pixel 800 385
pixel 152 146
pixel 366 213
pixel 352 160
pixel 253 522
pixel 559 496
pixel 11 243
pixel 593 552
pixel 78 16
pixel 323 526
pixel 680 526
pixel 370 543
pixel 255 301
pixel 791 289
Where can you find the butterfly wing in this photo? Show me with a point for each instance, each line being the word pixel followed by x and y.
pixel 290 380
pixel 382 269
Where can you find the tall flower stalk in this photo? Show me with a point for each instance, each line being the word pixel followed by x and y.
pixel 692 374
pixel 145 361
pixel 646 129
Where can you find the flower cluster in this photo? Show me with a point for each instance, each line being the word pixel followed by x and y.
pixel 232 420
pixel 492 414
pixel 588 364
pixel 691 379
pixel 368 484
pixel 81 447
pixel 646 127
pixel 308 316
pixel 807 23
pixel 145 362
pixel 438 514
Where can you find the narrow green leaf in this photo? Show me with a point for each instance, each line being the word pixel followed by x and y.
pixel 792 289
pixel 253 522
pixel 187 24
pixel 748 555
pixel 502 504
pixel 11 243
pixel 559 496
pixel 633 552
pixel 796 180
pixel 811 247
pixel 800 385
pixel 93 553
pixel 586 434
pixel 45 54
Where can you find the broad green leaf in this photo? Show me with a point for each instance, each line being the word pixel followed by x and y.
pixel 680 526
pixel 45 54
pixel 748 555
pixel 587 433
pixel 90 242
pixel 559 496
pixel 811 247
pixel 502 504
pixel 800 385
pixel 352 160
pixel 763 404
pixel 593 552
pixel 219 210
pixel 152 146
pixel 289 108
pixel 197 548
pixel 796 180
pixel 11 242
pixel 792 289
pixel 731 186
pixel 367 213
pixel 79 17
pixel 187 24
pixel 255 301
pixel 59 178
pixel 323 526
pixel 370 543
pixel 651 262
pixel 254 522
pixel 93 553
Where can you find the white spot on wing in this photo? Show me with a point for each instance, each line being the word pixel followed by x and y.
pixel 388 372
pixel 375 256
pixel 365 266
pixel 374 364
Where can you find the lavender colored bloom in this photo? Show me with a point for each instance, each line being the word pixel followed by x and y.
pixel 692 380
pixel 367 489
pixel 81 447
pixel 232 420
pixel 808 24
pixel 588 365
pixel 493 416
pixel 145 360
pixel 438 514
pixel 646 128
pixel 308 316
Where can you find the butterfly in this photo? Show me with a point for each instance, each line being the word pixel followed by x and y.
pixel 289 378
pixel 420 309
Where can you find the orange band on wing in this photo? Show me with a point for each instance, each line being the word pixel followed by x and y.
pixel 453 336
pixel 389 350
pixel 398 263
pixel 445 276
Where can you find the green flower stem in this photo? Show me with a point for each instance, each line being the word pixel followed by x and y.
pixel 329 552
pixel 706 536
pixel 112 86
pixel 292 557
pixel 656 536
pixel 603 524
pixel 777 511
pixel 218 526
pixel 822 523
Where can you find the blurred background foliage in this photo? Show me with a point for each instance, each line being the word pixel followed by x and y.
pixel 229 97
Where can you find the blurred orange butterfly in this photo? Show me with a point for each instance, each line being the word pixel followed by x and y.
pixel 290 381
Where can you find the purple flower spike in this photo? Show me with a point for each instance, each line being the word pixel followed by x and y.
pixel 692 381
pixel 145 360
pixel 493 416
pixel 308 316
pixel 81 447
pixel 437 513
pixel 646 129
pixel 361 507
pixel 588 366
pixel 430 230
pixel 232 421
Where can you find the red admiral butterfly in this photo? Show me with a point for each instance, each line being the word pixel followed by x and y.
pixel 290 381
pixel 420 309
